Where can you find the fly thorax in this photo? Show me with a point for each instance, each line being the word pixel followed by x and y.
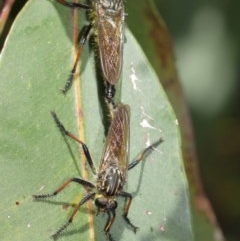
pixel 110 181
pixel 109 7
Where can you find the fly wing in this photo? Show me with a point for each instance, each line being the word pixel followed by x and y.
pixel 117 143
pixel 110 41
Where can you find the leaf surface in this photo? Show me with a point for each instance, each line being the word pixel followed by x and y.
pixel 34 158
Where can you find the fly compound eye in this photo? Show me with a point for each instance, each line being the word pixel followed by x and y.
pixel 105 204
pixel 101 202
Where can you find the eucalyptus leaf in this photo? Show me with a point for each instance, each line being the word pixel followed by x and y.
pixel 34 158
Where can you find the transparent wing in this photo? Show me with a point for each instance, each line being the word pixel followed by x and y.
pixel 110 41
pixel 117 143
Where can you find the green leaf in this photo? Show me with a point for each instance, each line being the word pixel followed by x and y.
pixel 157 43
pixel 34 158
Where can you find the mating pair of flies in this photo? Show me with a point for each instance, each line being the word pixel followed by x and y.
pixel 107 17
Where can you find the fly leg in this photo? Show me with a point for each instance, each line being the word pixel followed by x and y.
pixel 144 153
pixel 69 134
pixel 128 195
pixel 126 209
pixel 73 5
pixel 65 184
pixel 69 221
pixel 84 34
pixel 109 224
pixel 85 199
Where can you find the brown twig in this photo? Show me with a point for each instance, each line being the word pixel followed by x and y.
pixel 4 13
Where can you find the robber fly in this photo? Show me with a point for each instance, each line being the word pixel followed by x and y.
pixel 107 19
pixel 112 172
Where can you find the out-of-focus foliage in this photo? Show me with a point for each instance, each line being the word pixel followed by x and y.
pixel 206 36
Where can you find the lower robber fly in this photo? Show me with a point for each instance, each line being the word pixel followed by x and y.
pixel 112 172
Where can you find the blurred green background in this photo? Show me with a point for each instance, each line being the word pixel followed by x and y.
pixel 206 37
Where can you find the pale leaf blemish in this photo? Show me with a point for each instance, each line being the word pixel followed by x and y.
pixel 147 142
pixel 145 114
pixel 162 228
pixel 149 212
pixel 176 122
pixel 29 225
pixel 41 188
pixel 162 225
pixel 146 119
pixel 145 124
pixel 134 79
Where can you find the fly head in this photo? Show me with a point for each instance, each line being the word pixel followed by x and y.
pixel 105 204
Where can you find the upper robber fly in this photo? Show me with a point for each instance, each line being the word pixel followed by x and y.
pixel 107 19
pixel 112 172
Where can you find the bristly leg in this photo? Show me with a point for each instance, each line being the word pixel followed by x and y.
pixel 60 231
pixel 84 34
pixel 73 5
pixel 69 134
pixel 144 153
pixel 65 184
pixel 63 227
pixel 126 209
pixel 109 223
pixel 127 220
pixel 109 236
